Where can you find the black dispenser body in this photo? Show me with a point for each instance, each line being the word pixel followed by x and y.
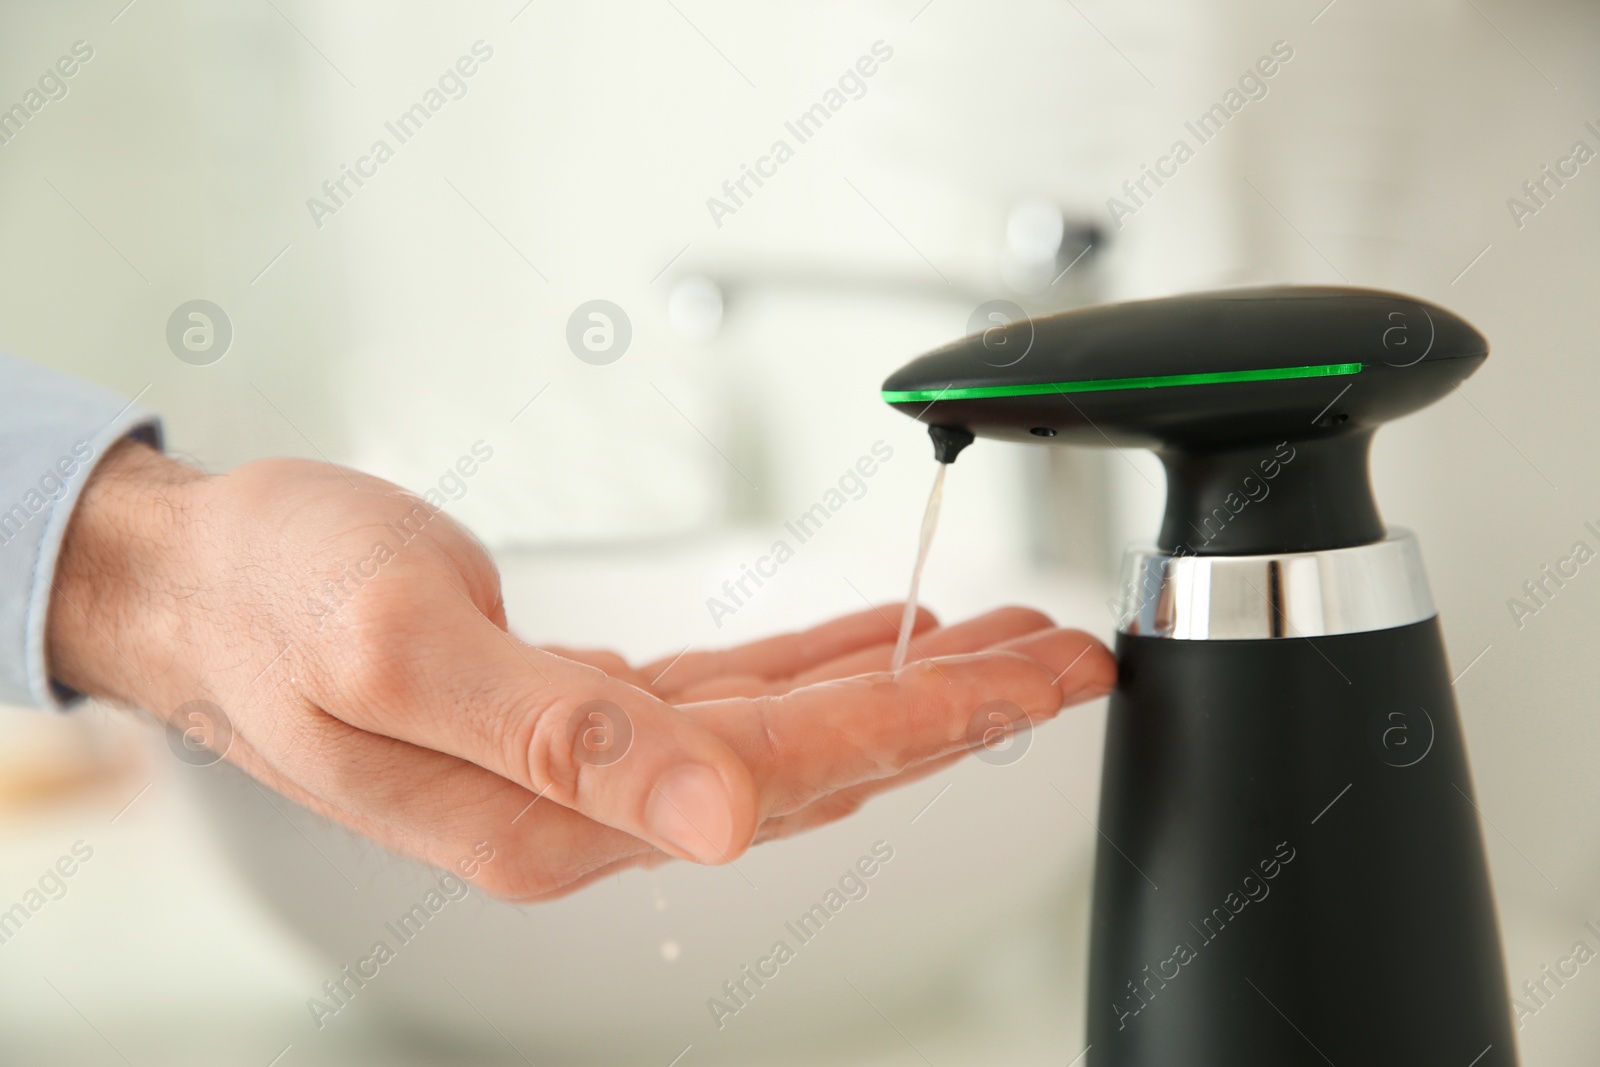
pixel 1298 875
pixel 1290 868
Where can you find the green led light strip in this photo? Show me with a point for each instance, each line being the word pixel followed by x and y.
pixel 1100 385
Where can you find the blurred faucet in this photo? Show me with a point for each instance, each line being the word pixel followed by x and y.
pixel 1043 258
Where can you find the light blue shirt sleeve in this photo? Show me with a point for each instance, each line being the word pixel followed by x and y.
pixel 53 430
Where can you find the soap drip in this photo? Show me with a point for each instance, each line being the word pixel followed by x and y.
pixel 930 522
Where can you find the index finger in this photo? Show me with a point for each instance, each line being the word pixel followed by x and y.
pixel 814 741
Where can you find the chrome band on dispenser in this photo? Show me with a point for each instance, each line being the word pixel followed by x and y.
pixel 1301 594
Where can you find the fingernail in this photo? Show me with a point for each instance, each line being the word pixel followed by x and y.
pixel 1089 689
pixel 690 809
pixel 1082 680
pixel 1082 672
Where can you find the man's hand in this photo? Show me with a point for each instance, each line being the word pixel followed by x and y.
pixel 357 641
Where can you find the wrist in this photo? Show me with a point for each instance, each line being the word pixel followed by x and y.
pixel 118 580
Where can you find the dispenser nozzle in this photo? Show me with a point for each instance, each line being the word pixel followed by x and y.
pixel 948 441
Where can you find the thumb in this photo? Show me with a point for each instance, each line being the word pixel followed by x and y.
pixel 564 730
pixel 631 761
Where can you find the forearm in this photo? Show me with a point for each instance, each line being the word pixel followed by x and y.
pixel 111 626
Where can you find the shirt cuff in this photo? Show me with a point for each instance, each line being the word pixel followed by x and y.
pixel 54 430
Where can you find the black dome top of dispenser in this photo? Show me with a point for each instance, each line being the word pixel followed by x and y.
pixel 1213 383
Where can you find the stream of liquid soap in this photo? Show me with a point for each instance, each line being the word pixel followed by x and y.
pixel 930 522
